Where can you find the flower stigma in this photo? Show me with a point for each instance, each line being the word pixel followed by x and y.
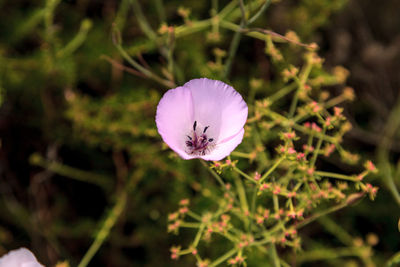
pixel 198 143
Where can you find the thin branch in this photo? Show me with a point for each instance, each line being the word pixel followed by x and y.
pixel 274 34
pixel 122 67
pixel 260 11
pixel 105 230
pixel 243 10
pixel 141 59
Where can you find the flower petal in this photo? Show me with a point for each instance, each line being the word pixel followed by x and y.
pixel 19 258
pixel 225 148
pixel 218 105
pixel 174 118
pixel 31 264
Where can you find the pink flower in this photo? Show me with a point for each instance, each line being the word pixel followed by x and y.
pixel 202 119
pixel 21 257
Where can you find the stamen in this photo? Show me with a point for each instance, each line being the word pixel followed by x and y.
pixel 199 144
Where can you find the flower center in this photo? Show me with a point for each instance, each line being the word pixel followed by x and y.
pixel 198 143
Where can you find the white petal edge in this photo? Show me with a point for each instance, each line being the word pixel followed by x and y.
pixel 174 118
pixel 220 104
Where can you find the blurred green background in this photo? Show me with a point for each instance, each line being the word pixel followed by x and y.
pixel 76 123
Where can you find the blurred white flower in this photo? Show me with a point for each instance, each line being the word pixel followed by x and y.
pixel 21 257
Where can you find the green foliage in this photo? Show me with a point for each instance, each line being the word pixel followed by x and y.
pixel 284 188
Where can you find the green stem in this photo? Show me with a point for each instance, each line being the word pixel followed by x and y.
pixel 282 92
pixel 170 55
pixel 214 174
pixel 194 215
pixel 305 73
pixel 253 205
pixel 284 122
pixel 27 26
pixel 309 142
pixel 276 203
pixel 251 7
pixel 120 18
pixel 274 256
pixel 73 173
pixel 336 175
pixel 104 232
pixel 259 13
pixel 395 259
pixel 244 175
pixel 160 10
pixel 350 200
pixel 190 225
pixel 293 105
pixel 198 235
pixel 317 148
pixel 143 23
pixel 329 254
pixel 263 157
pixel 392 185
pixel 242 197
pixel 265 176
pixel 227 9
pixel 77 41
pixel 390 129
pixel 228 12
pixel 235 41
pixel 236 28
pixel 223 258
pixel 214 7
pixel 143 70
pixel 48 20
pixel 232 50
pixel 336 230
pixel 334 101
pixel 183 30
pixel 303 77
pixel 243 10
